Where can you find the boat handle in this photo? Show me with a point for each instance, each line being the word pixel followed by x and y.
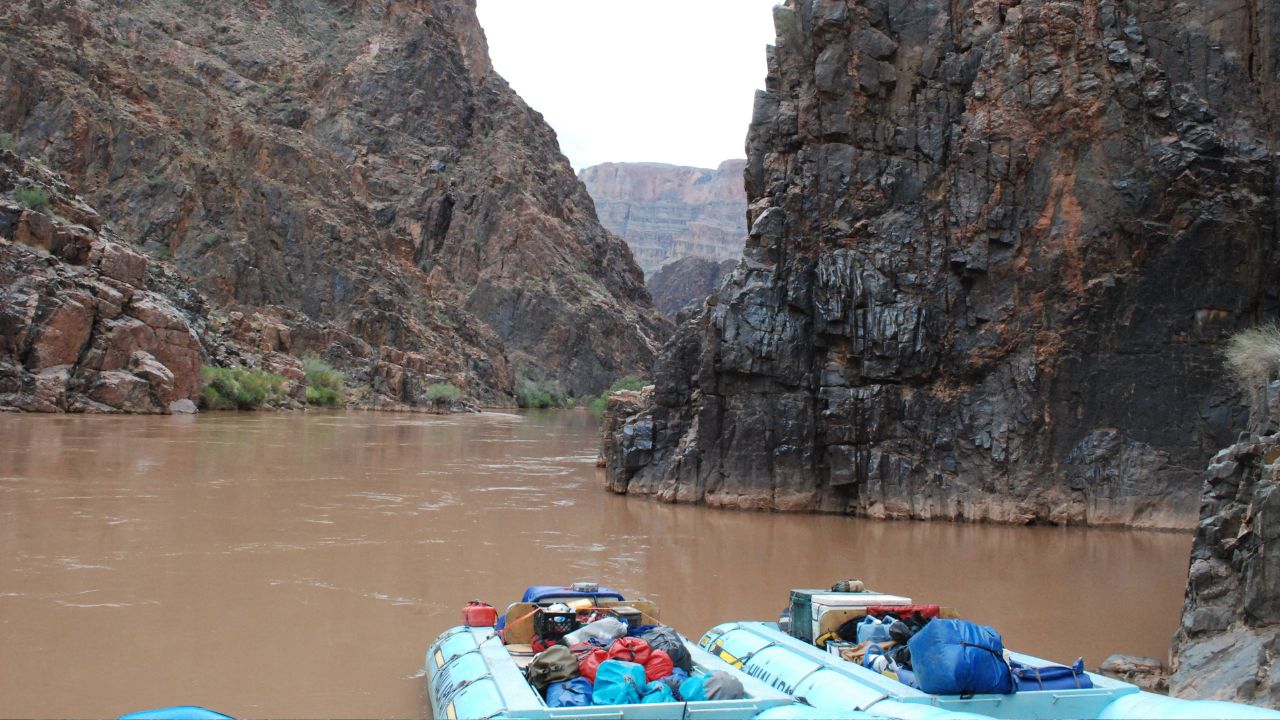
pixel 600 716
pixel 1059 696
pixel 975 700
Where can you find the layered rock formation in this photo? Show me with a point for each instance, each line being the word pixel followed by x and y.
pixel 686 282
pixel 666 212
pixel 353 174
pixel 82 327
pixel 993 249
pixel 1225 648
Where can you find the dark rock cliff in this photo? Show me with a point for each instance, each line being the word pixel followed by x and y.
pixel 667 212
pixel 1227 643
pixel 994 247
pixel 353 172
pixel 686 282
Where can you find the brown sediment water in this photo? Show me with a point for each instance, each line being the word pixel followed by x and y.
pixel 298 565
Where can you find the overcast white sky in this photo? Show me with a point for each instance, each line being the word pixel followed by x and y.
pixel 635 80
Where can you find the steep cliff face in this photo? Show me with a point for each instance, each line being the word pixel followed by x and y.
pixel 686 282
pixel 666 212
pixel 993 248
pixel 1226 646
pixel 353 171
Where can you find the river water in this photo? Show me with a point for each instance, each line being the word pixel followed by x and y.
pixel 298 564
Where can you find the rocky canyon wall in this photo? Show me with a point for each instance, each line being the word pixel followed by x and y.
pixel 85 325
pixel 686 283
pixel 354 174
pixel 994 249
pixel 668 212
pixel 1225 647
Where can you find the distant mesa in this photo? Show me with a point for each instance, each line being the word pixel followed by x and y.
pixel 667 213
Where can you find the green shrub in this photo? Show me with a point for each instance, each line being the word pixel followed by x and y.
pixel 6 142
pixel 532 393
pixel 324 383
pixel 240 389
pixel 1253 361
pixel 600 403
pixel 32 197
pixel 443 393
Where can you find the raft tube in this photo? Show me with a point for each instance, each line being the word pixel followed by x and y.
pixel 179 712
pixel 470 674
pixel 830 684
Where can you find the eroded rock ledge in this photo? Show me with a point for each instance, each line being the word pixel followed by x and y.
pixel 993 249
pixel 79 328
pixel 88 323
pixel 1226 646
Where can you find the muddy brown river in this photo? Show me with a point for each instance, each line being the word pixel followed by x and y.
pixel 297 565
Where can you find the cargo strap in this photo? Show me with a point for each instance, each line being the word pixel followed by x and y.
pixel 747 658
pixel 984 647
pixel 796 685
pixel 867 707
pixel 524 617
pixel 717 648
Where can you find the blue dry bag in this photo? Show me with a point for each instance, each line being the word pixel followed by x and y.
pixel 957 657
pixel 1051 677
pixel 570 693
pixel 693 689
pixel 618 682
pixel 657 692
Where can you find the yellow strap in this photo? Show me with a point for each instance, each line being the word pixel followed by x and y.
pixel 822 639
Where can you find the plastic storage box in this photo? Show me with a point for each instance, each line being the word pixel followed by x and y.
pixel 808 607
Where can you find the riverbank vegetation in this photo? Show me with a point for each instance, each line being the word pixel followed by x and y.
pixel 532 393
pixel 443 394
pixel 324 383
pixel 1253 361
pixel 240 389
pixel 600 402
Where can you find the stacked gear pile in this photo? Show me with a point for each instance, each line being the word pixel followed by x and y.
pixel 913 645
pixel 607 662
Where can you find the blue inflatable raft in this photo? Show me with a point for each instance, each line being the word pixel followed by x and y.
pixel 478 672
pixel 830 684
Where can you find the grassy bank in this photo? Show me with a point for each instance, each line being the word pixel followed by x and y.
pixel 324 383
pixel 240 389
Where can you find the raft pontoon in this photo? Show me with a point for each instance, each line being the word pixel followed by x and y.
pixel 831 684
pixel 478 672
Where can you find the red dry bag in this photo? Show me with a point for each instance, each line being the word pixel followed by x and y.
pixel 631 649
pixel 588 665
pixel 659 666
